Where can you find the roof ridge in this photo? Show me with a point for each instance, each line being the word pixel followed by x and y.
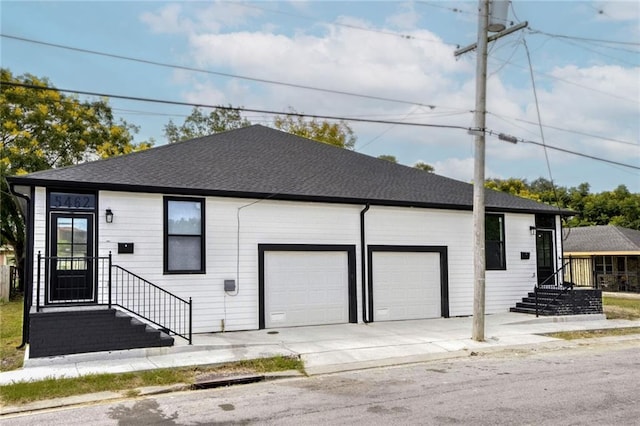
pixel 620 230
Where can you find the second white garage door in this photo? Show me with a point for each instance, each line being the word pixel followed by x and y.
pixel 305 288
pixel 406 285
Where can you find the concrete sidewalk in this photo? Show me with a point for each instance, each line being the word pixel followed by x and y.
pixel 324 349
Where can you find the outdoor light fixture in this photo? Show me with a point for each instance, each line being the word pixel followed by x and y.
pixel 108 215
pixel 532 229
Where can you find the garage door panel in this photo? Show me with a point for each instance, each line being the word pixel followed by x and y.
pixel 406 285
pixel 306 288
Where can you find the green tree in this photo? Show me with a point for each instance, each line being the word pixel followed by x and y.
pixel 513 186
pixel 424 166
pixel 390 158
pixel 199 124
pixel 42 129
pixel 619 207
pixel 337 134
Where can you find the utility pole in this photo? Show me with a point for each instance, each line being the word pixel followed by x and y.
pixel 479 265
pixel 478 176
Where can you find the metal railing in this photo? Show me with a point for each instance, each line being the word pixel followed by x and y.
pixel 97 281
pixel 158 306
pixel 545 284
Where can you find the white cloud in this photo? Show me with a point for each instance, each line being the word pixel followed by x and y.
pixel 406 19
pixel 189 18
pixel 595 99
pixel 167 20
pixel 460 169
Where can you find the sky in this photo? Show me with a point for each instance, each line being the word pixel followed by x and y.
pixel 571 80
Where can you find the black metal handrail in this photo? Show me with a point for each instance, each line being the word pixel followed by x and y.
pixel 565 286
pixel 114 286
pixel 155 304
pixel 73 291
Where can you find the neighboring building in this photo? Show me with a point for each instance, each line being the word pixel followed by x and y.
pixel 264 229
pixel 6 256
pixel 604 257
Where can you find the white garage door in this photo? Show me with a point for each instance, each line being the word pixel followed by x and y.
pixel 305 288
pixel 406 285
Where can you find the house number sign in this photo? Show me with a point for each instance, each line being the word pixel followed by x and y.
pixel 64 200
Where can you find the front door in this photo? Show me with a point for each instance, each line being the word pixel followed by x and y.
pixel 545 256
pixel 71 265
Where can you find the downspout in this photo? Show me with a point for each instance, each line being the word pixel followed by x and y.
pixel 363 257
pixel 28 261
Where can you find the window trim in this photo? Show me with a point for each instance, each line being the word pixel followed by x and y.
pixel 166 235
pixel 502 243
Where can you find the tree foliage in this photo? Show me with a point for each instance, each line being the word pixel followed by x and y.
pixel 619 207
pixel 199 124
pixel 42 129
pixel 337 134
pixel 424 166
pixel 390 158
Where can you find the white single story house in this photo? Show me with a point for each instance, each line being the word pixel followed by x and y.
pixel 256 228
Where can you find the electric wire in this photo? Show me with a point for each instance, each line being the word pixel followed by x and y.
pixel 599 40
pixel 577 132
pixel 567 151
pixel 204 71
pixel 296 114
pixel 535 96
pixel 569 82
pixel 341 24
pixel 229 108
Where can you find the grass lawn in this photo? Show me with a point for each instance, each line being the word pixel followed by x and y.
pixel 24 392
pixel 619 308
pixel 614 308
pixel 11 335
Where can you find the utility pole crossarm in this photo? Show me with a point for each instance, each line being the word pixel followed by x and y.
pixel 493 37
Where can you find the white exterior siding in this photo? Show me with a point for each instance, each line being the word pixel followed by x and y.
pixel 266 222
pixel 426 227
pixel 505 288
pixel 235 227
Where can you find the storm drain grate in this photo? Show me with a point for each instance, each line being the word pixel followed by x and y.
pixel 210 383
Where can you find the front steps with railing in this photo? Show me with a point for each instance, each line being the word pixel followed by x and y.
pixel 59 331
pixel 559 301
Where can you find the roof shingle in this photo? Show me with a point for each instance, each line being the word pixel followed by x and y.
pixel 601 239
pixel 258 161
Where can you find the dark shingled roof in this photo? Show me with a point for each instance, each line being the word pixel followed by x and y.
pixel 258 161
pixel 601 239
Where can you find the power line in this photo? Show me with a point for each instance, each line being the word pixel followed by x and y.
pixel 599 40
pixel 635 101
pixel 221 74
pixel 339 24
pixel 577 132
pixel 295 114
pixel 229 108
pixel 544 142
pixel 514 139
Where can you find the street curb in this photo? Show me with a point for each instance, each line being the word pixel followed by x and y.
pixel 91 398
pixel 553 344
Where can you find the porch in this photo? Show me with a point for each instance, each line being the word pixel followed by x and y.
pixel 615 273
pixel 88 304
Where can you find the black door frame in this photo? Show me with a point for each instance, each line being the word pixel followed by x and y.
pixel 351 259
pixel 544 272
pixel 90 267
pixel 444 272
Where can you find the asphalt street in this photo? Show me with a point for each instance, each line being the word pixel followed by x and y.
pixel 589 384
